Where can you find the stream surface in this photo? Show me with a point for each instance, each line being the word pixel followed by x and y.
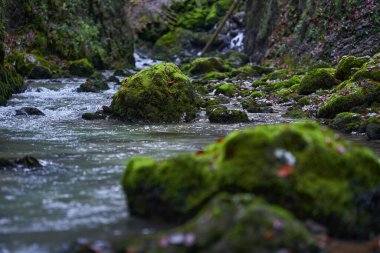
pixel 77 193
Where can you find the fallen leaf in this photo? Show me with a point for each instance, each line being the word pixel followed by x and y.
pixel 285 171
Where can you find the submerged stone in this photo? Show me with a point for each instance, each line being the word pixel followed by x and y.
pixel 307 169
pixel 161 93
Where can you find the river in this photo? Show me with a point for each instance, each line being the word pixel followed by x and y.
pixel 77 192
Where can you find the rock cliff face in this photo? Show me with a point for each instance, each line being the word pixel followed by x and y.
pixel 294 30
pixel 71 30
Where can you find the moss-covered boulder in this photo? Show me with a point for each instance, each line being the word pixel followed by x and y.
pixel 349 95
pixel 346 122
pixel 161 93
pixel 347 65
pixel 169 190
pixel 240 223
pixel 33 66
pixel 296 111
pixel 10 82
pixel 228 90
pixel 221 114
pixel 206 65
pixel 317 79
pixel 305 168
pixel 81 68
pixel 252 106
pixel 370 70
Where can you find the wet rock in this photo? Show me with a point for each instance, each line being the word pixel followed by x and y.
pixel 122 73
pixel 347 65
pixel 165 194
pixel 94 115
pixel 252 106
pixel 317 79
pixel 28 161
pixel 348 95
pixel 40 72
pixel 10 82
pixel 224 116
pixel 29 111
pixel 373 129
pixel 296 111
pixel 228 90
pixel 161 93
pixel 206 65
pixel 93 85
pixel 370 70
pixel 240 223
pixel 114 79
pixel 285 164
pixel 81 68
pixel 346 122
pixel 24 162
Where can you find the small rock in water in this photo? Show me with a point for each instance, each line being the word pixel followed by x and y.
pixel 26 161
pixel 29 161
pixel 29 111
pixel 94 115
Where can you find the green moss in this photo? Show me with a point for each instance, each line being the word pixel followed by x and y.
pixel 238 223
pixel 214 75
pixel 346 122
pixel 296 112
pixel 296 79
pixel 277 75
pixel 346 65
pixel 308 169
pixel 228 90
pixel 248 71
pixel 252 106
pixel 317 79
pixel 81 68
pixel 349 95
pixel 95 83
pixel 169 189
pixel 206 65
pixel 220 114
pixel 10 82
pixel 161 93
pixel 257 94
pixel 370 70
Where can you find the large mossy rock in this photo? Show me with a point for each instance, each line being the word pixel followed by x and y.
pixel 161 93
pixel 348 95
pixel 240 223
pixel 317 79
pixel 305 168
pixel 347 65
pixel 10 82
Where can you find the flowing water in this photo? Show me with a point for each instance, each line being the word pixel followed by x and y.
pixel 77 192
